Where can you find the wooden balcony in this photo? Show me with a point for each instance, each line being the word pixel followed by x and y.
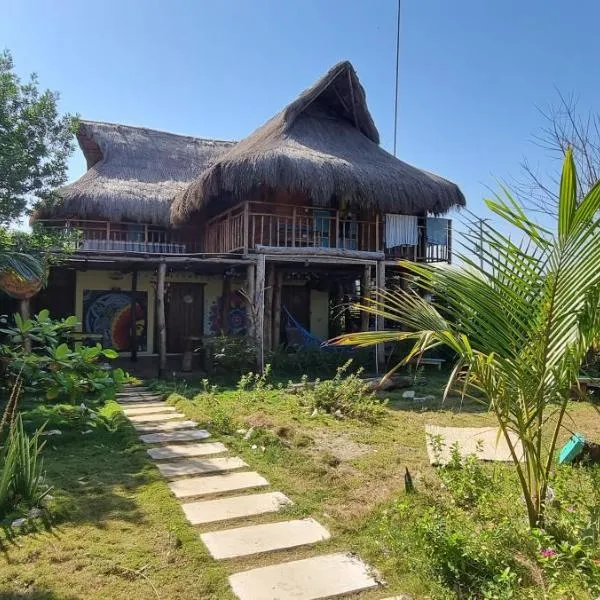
pixel 254 225
pixel 107 237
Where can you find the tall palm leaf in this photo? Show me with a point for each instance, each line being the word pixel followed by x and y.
pixel 520 324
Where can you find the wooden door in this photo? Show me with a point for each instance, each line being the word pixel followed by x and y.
pixel 185 314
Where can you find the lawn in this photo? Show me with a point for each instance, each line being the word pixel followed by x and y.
pixel 118 533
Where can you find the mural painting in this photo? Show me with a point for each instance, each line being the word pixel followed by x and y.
pixel 108 313
pixel 236 315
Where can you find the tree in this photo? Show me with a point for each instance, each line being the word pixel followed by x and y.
pixel 565 126
pixel 520 324
pixel 35 141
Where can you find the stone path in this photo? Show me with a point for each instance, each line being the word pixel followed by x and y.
pixel 222 489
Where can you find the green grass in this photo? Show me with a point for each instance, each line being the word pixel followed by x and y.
pixel 118 533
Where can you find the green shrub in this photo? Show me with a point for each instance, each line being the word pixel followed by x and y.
pixel 231 355
pixel 55 368
pixel 346 395
pixel 464 561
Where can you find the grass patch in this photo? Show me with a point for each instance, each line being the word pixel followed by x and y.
pixel 115 530
pixel 461 534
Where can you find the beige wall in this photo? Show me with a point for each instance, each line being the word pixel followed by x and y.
pixel 114 280
pixel 319 314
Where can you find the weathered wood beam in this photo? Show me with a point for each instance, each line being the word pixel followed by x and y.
pixel 365 292
pixel 380 321
pixel 277 309
pixel 25 312
pixel 259 304
pixel 268 323
pixel 160 319
pixel 224 308
pixel 250 299
pixel 132 312
pixel 320 252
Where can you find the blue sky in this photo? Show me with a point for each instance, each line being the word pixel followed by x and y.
pixel 472 72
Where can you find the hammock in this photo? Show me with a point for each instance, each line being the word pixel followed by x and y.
pixel 299 337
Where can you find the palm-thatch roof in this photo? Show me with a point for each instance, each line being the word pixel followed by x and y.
pixel 133 173
pixel 325 145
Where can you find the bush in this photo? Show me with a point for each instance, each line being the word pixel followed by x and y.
pixel 54 369
pixel 231 355
pixel 346 395
pixel 464 561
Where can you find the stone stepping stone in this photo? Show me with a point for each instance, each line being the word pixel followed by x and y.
pixel 186 450
pixel 309 579
pixel 139 399
pixel 163 427
pixel 199 466
pixel 136 405
pixel 185 435
pixel 149 410
pixel 224 509
pixel 253 539
pixel 216 484
pixel 155 417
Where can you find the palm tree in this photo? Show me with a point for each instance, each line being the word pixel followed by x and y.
pixel 520 323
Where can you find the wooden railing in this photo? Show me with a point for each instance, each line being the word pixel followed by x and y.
pixel 253 224
pixel 104 236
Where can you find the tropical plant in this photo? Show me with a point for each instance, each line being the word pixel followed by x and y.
pixel 520 317
pixel 55 368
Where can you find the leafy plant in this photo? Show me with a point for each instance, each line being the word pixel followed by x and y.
pixel 521 322
pixel 346 395
pixel 55 368
pixel 231 355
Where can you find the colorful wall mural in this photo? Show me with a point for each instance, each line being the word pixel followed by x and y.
pixel 236 314
pixel 108 312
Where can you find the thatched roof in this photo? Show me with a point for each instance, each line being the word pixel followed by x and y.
pixel 133 173
pixel 323 144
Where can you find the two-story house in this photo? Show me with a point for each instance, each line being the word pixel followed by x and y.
pixel 302 214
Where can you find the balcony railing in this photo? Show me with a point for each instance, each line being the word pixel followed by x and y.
pixel 103 236
pixel 250 225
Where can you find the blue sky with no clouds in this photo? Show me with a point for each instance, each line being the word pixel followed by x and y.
pixel 473 73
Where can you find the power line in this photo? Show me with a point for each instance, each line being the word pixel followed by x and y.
pixel 397 77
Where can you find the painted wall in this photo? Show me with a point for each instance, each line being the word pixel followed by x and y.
pixel 114 280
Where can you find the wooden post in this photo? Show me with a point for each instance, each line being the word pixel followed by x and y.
pixel 365 291
pixel 132 312
pixel 423 241
pixel 270 284
pixel 259 303
pixel 160 319
pixel 246 231
pixel 275 336
pixel 449 249
pixel 25 311
pixel 380 321
pixel 377 248
pixel 251 297
pixel 337 230
pixel 224 308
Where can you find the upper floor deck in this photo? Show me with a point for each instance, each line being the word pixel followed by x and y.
pixel 255 226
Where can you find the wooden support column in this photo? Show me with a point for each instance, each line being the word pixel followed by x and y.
pixel 224 308
pixel 133 313
pixel 422 221
pixel 380 321
pixel 25 312
pixel 250 299
pixel 160 319
pixel 268 323
pixel 259 304
pixel 275 336
pixel 365 292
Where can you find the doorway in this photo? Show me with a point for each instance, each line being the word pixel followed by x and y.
pixel 185 314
